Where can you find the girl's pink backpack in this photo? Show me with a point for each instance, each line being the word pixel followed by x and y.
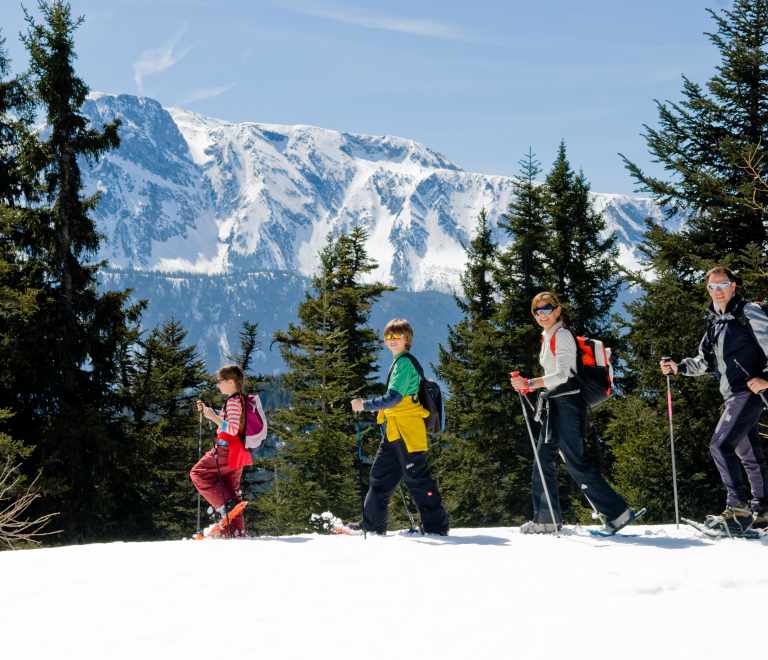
pixel 255 422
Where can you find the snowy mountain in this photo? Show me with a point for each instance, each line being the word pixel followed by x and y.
pixel 188 200
pixel 189 193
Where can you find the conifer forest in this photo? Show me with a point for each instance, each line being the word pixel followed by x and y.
pixel 98 423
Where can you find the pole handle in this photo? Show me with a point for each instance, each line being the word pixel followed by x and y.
pixel 515 374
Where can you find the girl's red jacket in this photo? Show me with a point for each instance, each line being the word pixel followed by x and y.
pixel 238 454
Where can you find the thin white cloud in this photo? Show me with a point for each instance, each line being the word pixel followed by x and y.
pixel 159 59
pixel 376 19
pixel 200 94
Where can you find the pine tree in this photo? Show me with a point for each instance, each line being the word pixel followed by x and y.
pixel 700 138
pixel 163 384
pixel 330 356
pixel 60 368
pixel 583 268
pixel 16 118
pixel 698 142
pixel 524 268
pixel 482 464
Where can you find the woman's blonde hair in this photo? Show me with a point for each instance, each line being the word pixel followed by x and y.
pixel 545 297
pixel 400 327
pixel 234 372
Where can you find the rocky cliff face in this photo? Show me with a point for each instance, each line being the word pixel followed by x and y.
pixel 193 196
pixel 189 193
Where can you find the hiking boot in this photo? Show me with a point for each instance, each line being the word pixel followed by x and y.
pixel 227 508
pixel 539 528
pixel 442 533
pixel 736 518
pixel 759 522
pixel 358 527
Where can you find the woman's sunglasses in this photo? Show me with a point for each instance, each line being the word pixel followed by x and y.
pixel 546 309
pixel 388 337
pixel 719 285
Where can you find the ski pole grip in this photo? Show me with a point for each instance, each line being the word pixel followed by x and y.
pixel 515 374
pixel 666 359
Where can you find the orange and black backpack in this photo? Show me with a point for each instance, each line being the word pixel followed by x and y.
pixel 593 364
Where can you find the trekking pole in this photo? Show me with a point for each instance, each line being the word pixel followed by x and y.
pixel 536 457
pixel 762 396
pixel 221 483
pixel 360 471
pixel 407 510
pixel 199 456
pixel 672 444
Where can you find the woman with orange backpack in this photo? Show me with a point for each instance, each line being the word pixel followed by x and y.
pixel 564 426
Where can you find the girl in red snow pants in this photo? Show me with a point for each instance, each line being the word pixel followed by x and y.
pixel 229 449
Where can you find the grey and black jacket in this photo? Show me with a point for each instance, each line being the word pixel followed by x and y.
pixel 740 333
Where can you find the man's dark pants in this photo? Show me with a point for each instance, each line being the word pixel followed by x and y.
pixel 567 418
pixel 393 461
pixel 736 442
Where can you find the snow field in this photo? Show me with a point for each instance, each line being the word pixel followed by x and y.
pixel 479 594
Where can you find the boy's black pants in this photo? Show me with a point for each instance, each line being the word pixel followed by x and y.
pixel 393 461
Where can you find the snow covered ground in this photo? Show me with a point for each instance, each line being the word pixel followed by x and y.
pixel 480 593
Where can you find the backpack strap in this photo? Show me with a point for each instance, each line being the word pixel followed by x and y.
pixel 392 368
pixel 554 335
pixel 749 325
pixel 414 362
pixel 243 415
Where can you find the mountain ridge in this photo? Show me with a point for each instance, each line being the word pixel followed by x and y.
pixel 217 222
pixel 189 193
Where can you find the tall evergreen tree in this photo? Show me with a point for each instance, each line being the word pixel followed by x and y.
pixel 59 373
pixel 699 139
pixel 698 142
pixel 17 303
pixel 163 380
pixel 583 269
pixel 524 266
pixel 484 463
pixel 331 357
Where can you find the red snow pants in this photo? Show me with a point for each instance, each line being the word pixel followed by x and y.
pixel 206 479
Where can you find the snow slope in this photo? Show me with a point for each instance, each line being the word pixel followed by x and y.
pixel 194 194
pixel 480 593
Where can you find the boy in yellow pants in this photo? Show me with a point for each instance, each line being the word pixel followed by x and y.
pixel 403 450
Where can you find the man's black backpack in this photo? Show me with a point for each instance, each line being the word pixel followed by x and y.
pixel 739 315
pixel 429 396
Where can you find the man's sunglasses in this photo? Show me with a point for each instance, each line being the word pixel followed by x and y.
pixel 719 285
pixel 546 309
pixel 388 337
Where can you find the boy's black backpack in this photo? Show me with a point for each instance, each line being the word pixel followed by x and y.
pixel 429 396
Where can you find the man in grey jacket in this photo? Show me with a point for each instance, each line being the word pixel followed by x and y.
pixel 736 341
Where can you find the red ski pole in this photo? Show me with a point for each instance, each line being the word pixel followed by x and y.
pixel 672 444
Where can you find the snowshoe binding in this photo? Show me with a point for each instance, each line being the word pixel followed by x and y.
pixel 760 522
pixel 539 528
pixel 220 528
pixel 611 527
pixel 736 521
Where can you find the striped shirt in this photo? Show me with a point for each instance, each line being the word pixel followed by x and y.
pixel 232 415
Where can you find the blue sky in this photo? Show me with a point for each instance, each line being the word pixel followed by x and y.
pixel 480 81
